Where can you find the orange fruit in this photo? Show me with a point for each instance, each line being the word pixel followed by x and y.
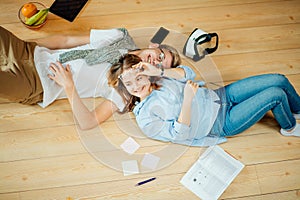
pixel 28 10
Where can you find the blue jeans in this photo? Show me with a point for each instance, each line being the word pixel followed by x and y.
pixel 245 102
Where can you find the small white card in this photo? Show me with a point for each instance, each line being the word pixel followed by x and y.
pixel 130 145
pixel 150 161
pixel 130 167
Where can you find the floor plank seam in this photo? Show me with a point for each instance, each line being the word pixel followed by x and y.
pixel 253 52
pixel 273 162
pixel 249 196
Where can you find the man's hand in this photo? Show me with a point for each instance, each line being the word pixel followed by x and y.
pixel 62 76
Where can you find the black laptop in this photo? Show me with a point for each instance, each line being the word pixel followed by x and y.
pixel 67 9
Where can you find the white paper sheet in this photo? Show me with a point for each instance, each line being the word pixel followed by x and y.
pixel 130 145
pixel 150 161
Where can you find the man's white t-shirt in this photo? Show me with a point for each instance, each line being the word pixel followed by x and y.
pixel 90 80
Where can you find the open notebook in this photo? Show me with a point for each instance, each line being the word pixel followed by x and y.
pixel 212 173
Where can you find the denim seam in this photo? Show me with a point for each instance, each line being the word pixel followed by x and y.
pixel 285 88
pixel 284 113
pixel 236 131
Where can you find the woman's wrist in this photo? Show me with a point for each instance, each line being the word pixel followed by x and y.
pixel 175 73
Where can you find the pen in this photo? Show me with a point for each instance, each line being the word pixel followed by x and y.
pixel 146 181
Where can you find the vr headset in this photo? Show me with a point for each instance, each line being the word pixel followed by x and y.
pixel 198 37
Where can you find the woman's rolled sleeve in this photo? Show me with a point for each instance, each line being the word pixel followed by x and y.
pixel 189 73
pixel 168 130
pixel 181 130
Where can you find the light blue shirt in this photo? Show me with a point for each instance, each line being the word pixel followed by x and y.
pixel 158 113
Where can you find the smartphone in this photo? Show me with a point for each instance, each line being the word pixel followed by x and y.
pixel 160 35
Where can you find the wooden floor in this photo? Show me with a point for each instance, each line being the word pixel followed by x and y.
pixel 42 157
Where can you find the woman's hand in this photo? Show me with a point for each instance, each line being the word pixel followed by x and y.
pixel 62 76
pixel 147 69
pixel 190 89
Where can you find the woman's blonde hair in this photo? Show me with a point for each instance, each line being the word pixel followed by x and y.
pixel 114 80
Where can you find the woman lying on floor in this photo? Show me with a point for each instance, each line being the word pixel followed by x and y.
pixel 170 106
